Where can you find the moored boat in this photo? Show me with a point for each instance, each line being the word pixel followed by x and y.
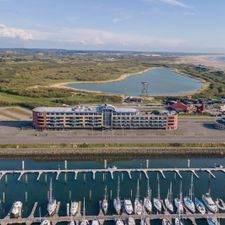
pixel 138 208
pixel 119 222
pixel 147 200
pixel 212 221
pixel 45 222
pixel 95 222
pixel 209 203
pixel 157 201
pixel 128 206
pixel 104 203
pixel 200 206
pixel 189 204
pixel 52 204
pixel 220 204
pixel 168 200
pixel 117 202
pixel 16 209
pixel 74 208
pixel 130 221
pixel 166 222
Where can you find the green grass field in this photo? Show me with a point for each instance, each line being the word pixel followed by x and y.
pixel 25 76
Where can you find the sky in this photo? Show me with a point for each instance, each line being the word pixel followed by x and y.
pixel 137 25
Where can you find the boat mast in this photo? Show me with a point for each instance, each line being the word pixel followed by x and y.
pixel 106 192
pixel 137 194
pixel 148 189
pixel 191 188
pixel 181 194
pixel 84 213
pixel 170 192
pixel 118 188
pixel 158 186
pixel 50 191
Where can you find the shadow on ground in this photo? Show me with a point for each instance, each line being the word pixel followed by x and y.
pixel 16 124
pixel 209 126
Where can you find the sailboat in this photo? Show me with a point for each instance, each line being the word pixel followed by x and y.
pixel 166 222
pixel 147 199
pixel 188 200
pixel 168 200
pixel 157 201
pixel 200 206
pixel 119 222
pixel 84 221
pixel 212 221
pixel 104 203
pixel 138 208
pixel 74 208
pixel 52 205
pixel 179 202
pixel 130 221
pixel 117 202
pixel 210 204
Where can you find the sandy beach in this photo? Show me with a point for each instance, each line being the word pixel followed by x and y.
pixel 204 60
pixel 122 77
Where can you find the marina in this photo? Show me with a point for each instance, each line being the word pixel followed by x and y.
pixel 138 190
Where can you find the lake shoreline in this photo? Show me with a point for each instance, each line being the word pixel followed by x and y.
pixel 124 76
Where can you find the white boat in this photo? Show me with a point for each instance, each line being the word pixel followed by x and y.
pixel 143 221
pixel 104 203
pixel 16 209
pixel 74 208
pixel 95 222
pixel 46 222
pixel 147 200
pixel 158 204
pixel 200 206
pixel 117 202
pixel 189 204
pixel 166 222
pixel 212 221
pixel 128 206
pixel 209 203
pixel 157 201
pixel 138 208
pixel 52 205
pixel 179 205
pixel 130 221
pixel 220 204
pixel 179 202
pixel 119 222
pixel 84 221
pixel 72 222
pixel 178 221
pixel 168 200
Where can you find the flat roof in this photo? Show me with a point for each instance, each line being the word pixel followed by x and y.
pixel 86 109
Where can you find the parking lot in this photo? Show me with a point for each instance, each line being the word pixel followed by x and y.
pixel 191 130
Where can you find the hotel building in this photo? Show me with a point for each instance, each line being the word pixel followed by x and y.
pixel 103 116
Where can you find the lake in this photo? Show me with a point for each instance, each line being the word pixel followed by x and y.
pixel 29 190
pixel 162 82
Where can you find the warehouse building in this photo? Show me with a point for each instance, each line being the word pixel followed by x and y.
pixel 103 116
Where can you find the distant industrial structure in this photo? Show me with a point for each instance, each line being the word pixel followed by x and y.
pixel 100 117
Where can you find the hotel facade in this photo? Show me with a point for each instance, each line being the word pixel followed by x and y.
pixel 103 116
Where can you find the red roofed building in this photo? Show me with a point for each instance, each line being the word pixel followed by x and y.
pixel 179 107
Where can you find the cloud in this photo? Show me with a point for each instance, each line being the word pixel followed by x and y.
pixel 11 32
pixel 176 3
pixel 94 38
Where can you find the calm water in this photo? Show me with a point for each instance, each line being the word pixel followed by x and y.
pixel 163 82
pixel 66 188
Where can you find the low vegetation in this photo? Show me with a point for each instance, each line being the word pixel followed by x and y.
pixel 25 75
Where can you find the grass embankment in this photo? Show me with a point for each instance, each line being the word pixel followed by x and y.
pixel 110 152
pixel 85 145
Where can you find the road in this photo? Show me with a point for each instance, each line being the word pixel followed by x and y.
pixel 191 130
